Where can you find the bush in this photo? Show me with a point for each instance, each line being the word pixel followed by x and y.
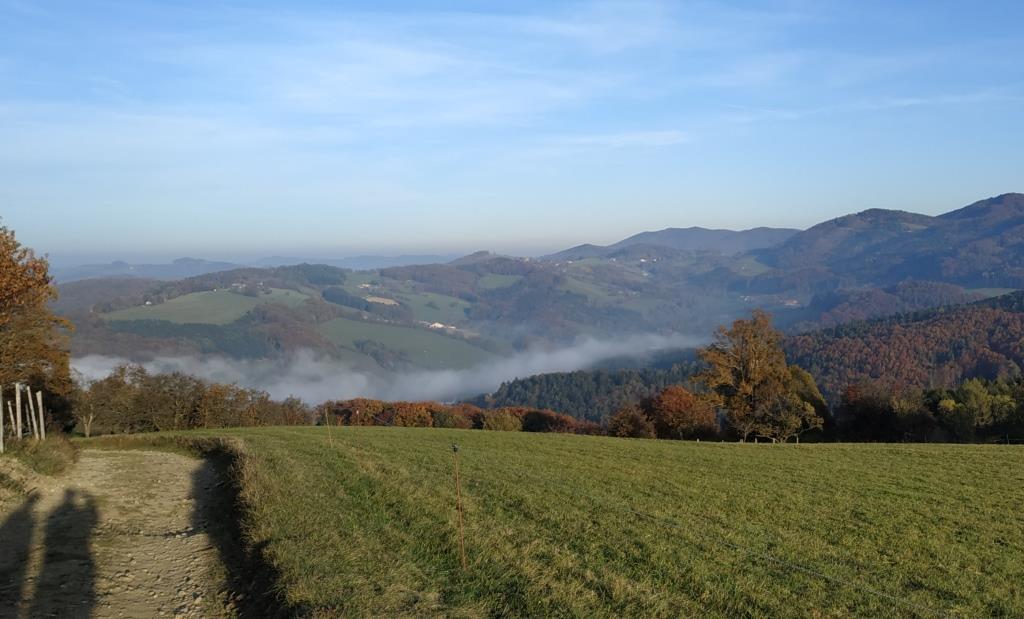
pixel 547 421
pixel 452 419
pixel 410 414
pixel 502 420
pixel 630 422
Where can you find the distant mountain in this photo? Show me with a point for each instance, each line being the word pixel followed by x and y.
pixel 359 263
pixel 703 239
pixel 694 239
pixel 178 269
pixel 980 245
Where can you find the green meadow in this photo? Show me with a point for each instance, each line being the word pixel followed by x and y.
pixel 214 307
pixel 427 349
pixel 361 521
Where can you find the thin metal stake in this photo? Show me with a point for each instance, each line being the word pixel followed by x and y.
pixel 458 505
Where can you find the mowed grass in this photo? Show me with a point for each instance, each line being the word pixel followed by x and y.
pixel 214 307
pixel 426 349
pixel 364 524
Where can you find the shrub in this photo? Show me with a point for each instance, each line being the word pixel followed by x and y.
pixel 451 419
pixel 630 422
pixel 502 420
pixel 548 421
pixel 410 414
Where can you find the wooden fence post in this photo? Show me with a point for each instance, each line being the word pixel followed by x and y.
pixel 1 419
pixel 17 410
pixel 32 413
pixel 42 418
pixel 10 415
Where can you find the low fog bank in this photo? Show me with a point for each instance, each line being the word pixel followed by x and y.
pixel 316 379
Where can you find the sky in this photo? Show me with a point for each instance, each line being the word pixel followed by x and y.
pixel 338 128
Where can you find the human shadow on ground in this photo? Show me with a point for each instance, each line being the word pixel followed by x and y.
pixel 15 540
pixel 66 586
pixel 251 580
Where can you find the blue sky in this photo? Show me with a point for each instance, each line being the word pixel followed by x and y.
pixel 333 128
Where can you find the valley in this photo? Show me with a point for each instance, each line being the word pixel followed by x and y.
pixel 484 307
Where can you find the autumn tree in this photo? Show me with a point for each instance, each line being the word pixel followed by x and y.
pixel 33 341
pixel 747 372
pixel 630 422
pixel 677 413
pixel 502 420
pixel 410 414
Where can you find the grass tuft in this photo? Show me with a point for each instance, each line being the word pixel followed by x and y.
pixel 50 457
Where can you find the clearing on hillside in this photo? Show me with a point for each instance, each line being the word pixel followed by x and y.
pixel 214 307
pixel 426 349
pixel 363 523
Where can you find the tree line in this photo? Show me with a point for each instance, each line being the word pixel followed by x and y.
pixel 369 412
pixel 131 399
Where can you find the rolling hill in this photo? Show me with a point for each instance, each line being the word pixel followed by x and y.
pixel 693 239
pixel 856 267
pixel 980 246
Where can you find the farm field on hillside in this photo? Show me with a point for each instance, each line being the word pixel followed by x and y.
pixel 215 307
pixel 423 348
pixel 433 307
pixel 563 525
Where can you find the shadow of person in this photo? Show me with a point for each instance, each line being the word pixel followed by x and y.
pixel 15 540
pixel 251 580
pixel 66 585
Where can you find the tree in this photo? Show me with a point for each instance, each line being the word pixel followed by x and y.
pixel 747 370
pixel 86 407
pixel 679 414
pixel 787 416
pixel 630 422
pixel 33 341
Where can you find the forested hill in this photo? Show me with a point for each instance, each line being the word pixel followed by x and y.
pixel 935 348
pixel 915 350
pixel 591 395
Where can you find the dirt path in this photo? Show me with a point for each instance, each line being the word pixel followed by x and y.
pixel 118 536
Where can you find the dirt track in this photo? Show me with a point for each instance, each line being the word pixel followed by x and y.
pixel 118 536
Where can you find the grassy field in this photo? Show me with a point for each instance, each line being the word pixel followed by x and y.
pixel 494 281
pixel 424 348
pixel 433 307
pixel 218 307
pixel 561 525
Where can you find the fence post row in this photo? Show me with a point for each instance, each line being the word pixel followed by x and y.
pixel 16 413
